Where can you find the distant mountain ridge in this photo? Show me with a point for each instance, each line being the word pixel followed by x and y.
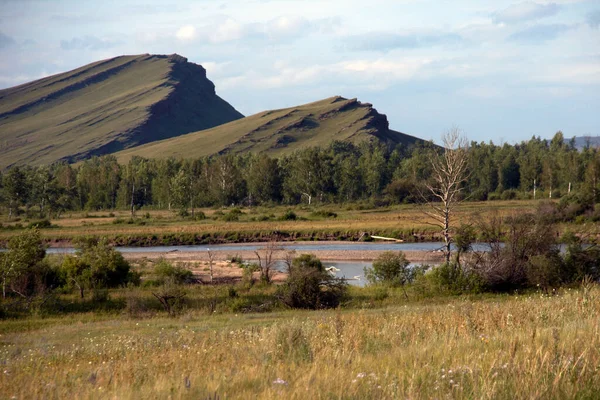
pixel 583 141
pixel 281 131
pixel 107 106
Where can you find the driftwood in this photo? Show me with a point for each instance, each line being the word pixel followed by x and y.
pixel 387 238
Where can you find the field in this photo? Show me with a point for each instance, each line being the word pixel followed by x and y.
pixel 154 227
pixel 525 346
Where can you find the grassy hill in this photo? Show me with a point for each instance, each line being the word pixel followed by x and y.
pixel 281 131
pixel 107 106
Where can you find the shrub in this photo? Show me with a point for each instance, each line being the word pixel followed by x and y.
pixel 235 259
pixel 24 269
pixel 42 224
pixel 288 216
pixel 526 255
pixel 248 271
pixel 229 217
pixel 493 196
pixel 107 266
pixel 310 286
pixel 171 296
pixel 455 279
pixel 581 262
pixel 545 271
pixel 323 214
pixel 509 194
pixel 164 270
pixel 390 268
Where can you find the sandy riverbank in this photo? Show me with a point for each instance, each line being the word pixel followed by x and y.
pixel 224 271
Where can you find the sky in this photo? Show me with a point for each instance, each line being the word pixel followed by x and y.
pixel 500 70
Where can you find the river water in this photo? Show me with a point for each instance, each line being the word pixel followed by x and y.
pixel 303 246
pixel 352 271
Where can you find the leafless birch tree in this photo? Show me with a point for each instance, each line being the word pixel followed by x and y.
pixel 449 172
pixel 267 260
pixel 211 258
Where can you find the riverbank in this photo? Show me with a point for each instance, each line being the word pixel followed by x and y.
pixel 225 271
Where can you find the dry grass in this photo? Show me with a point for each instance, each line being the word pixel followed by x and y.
pixel 406 218
pixel 511 347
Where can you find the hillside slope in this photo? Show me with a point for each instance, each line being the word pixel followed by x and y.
pixel 281 131
pixel 107 106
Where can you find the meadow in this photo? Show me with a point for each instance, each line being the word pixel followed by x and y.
pixel 329 222
pixel 512 346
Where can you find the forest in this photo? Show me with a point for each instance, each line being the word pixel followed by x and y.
pixel 339 173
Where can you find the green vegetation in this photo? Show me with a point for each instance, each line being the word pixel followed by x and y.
pixel 390 268
pixel 412 338
pixel 309 286
pixel 107 106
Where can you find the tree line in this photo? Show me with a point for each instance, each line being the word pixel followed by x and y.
pixel 341 172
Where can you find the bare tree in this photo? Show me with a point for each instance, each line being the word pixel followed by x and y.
pixel 211 258
pixel 266 260
pixel 449 172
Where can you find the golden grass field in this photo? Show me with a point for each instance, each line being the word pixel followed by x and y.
pixel 532 346
pixel 404 218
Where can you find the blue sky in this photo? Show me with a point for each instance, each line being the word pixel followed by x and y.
pixel 500 70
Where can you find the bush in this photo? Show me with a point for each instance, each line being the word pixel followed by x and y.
pixel 248 271
pixel 493 196
pixel 455 279
pixel 107 266
pixel 42 224
pixel 323 214
pixel 164 270
pixel 509 194
pixel 229 217
pixel 288 216
pixel 390 268
pixel 309 286
pixel 525 255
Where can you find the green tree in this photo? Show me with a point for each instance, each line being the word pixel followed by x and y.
pixel 310 286
pixel 77 273
pixel 16 189
pixel 390 268
pixel 21 268
pixel 107 267
pixel 263 178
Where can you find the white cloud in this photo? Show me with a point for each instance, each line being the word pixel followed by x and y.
pixel 525 11
pixel 186 33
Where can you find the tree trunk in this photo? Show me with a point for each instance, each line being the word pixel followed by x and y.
pixel 132 206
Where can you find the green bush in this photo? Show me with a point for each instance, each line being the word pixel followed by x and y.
pixel 42 224
pixel 107 266
pixel 310 286
pixel 164 270
pixel 288 216
pixel 323 214
pixel 509 194
pixel 454 279
pixel 229 217
pixel 390 268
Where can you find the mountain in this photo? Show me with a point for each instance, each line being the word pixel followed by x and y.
pixel 281 131
pixel 107 106
pixel 583 141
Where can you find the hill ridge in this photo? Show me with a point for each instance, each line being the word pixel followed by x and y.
pixel 106 106
pixel 280 131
